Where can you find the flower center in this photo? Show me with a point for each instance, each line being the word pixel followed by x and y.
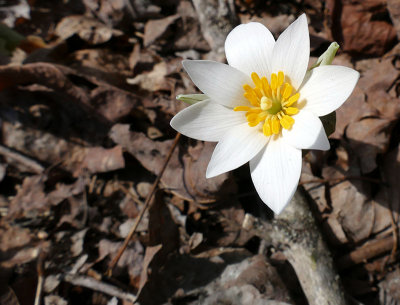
pixel 272 103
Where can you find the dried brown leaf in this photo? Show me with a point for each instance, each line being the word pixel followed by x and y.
pixel 355 27
pixel 187 180
pixel 367 138
pixel 155 80
pixel 376 81
pixel 88 29
pixel 393 7
pixel 162 228
pixel 78 212
pixel 151 252
pixel 352 111
pixel 113 103
pixel 390 196
pixel 155 29
pixel 98 160
pixel 31 200
pixel 131 259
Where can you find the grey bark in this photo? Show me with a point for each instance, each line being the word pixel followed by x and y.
pixel 295 232
pixel 217 18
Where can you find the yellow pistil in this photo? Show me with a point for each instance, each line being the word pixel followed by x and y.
pixel 272 103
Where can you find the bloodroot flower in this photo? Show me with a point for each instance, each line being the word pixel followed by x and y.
pixel 264 106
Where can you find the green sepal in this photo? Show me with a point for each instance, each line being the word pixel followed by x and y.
pixel 329 120
pixel 327 57
pixel 192 98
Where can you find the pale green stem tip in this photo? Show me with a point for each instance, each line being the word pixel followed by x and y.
pixel 191 98
pixel 327 57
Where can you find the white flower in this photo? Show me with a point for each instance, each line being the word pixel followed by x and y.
pixel 263 108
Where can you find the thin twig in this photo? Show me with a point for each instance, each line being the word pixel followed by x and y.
pixel 92 283
pixel 367 251
pixel 146 205
pixel 341 179
pixel 130 194
pixel 40 271
pixel 28 162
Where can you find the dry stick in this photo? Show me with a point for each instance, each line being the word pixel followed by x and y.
pixel 367 251
pixel 92 283
pixel 295 232
pixel 341 179
pixel 28 162
pixel 40 271
pixel 146 205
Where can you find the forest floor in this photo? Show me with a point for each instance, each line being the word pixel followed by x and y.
pixel 87 91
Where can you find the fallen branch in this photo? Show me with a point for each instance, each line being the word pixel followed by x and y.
pixel 295 232
pixel 20 158
pixel 367 251
pixel 93 284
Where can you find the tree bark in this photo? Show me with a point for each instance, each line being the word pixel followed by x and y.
pixel 217 18
pixel 295 232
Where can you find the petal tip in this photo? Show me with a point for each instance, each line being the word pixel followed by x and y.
pixel 278 210
pixel 210 172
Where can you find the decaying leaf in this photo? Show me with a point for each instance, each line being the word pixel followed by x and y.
pixel 355 27
pixel 393 7
pixel 155 80
pixel 367 138
pixel 30 200
pixel 154 29
pixel 151 154
pixel 98 160
pixel 88 29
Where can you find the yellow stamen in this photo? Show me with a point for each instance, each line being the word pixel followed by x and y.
pixel 253 119
pixel 271 103
pixel 287 122
pixel 267 128
pixel 287 91
pixel 262 116
pixel 281 77
pixel 253 110
pixel 247 87
pixel 293 99
pixel 291 110
pixel 256 79
pixel 241 108
pixel 274 81
pixel 265 86
pixel 275 125
pixel 252 97
pixel 258 92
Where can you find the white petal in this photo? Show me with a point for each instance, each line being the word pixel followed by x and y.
pixel 238 146
pixel 328 88
pixel 206 121
pixel 222 83
pixel 248 48
pixel 307 132
pixel 292 51
pixel 276 172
